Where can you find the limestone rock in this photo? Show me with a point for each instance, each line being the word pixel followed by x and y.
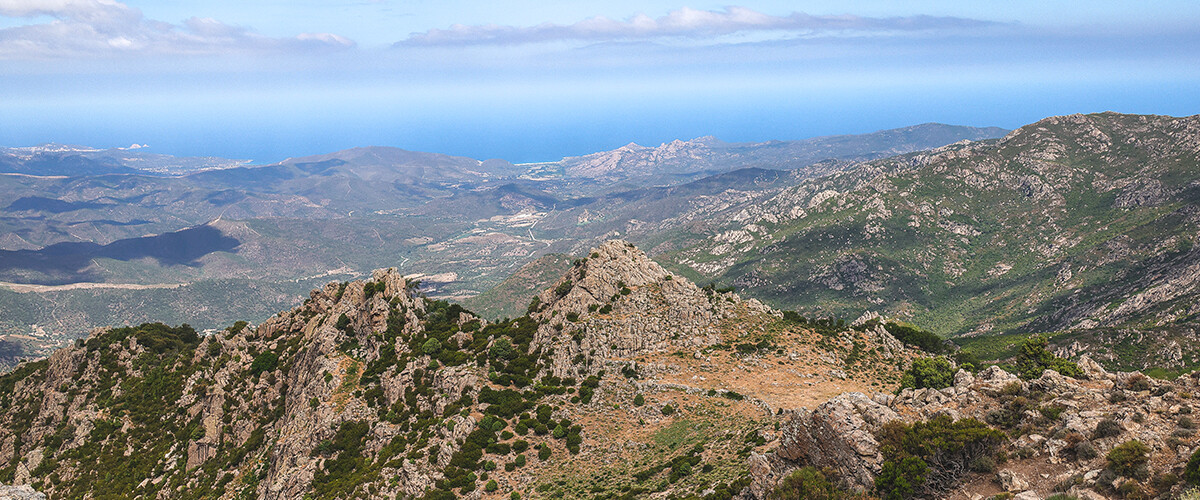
pixel 839 434
pixel 1011 481
pixel 23 492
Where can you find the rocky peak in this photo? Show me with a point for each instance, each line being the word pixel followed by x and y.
pixel 617 302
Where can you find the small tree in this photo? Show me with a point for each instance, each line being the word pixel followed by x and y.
pixel 501 349
pixel 1034 358
pixel 934 373
pixel 431 347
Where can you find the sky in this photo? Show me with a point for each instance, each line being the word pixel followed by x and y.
pixel 535 81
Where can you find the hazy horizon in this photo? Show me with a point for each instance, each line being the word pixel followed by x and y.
pixel 529 82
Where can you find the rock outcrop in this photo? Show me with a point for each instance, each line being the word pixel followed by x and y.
pixel 23 492
pixel 617 303
pixel 1057 418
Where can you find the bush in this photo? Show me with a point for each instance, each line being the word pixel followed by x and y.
pixel 491 485
pixel 1191 471
pixel 930 457
pixel 1107 428
pixel 431 347
pixel 924 340
pixel 933 373
pixel 543 452
pixel 668 410
pixel 1137 383
pixel 1127 458
pixel 807 483
pixel 1034 358
pixel 264 362
pixel 1085 451
pixel 639 400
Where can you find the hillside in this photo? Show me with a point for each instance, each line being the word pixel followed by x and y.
pixel 505 300
pixel 368 390
pixel 465 225
pixel 680 161
pixel 1071 222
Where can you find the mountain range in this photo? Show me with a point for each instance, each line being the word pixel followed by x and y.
pixel 463 224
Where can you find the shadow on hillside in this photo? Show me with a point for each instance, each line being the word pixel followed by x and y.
pixel 66 262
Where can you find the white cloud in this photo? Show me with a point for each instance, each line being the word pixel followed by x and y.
pixel 684 23
pixel 105 28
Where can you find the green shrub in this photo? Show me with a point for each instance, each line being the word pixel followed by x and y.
pixel 668 410
pixel 1034 358
pixel 491 486
pixel 930 457
pixel 1191 471
pixel 921 339
pixel 543 452
pixel 808 483
pixel 639 400
pixel 264 362
pixel 933 373
pixel 1126 458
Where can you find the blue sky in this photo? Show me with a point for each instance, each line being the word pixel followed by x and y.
pixel 525 81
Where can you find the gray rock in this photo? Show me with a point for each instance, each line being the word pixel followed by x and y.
pixel 23 492
pixel 1011 481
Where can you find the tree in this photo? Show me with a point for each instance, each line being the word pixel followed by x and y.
pixel 1034 358
pixel 934 373
pixel 501 349
pixel 431 347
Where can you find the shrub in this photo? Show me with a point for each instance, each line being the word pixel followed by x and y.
pixel 668 410
pixel 1106 428
pixel 491 485
pixel 1132 490
pixel 934 373
pixel 543 452
pixel 502 348
pixel 1186 422
pixel 1137 383
pixel 1034 358
pixel 431 347
pixel 930 457
pixel 806 483
pixel 1085 451
pixel 1191 471
pixel 639 400
pixel 1126 458
pixel 924 340
pixel 264 362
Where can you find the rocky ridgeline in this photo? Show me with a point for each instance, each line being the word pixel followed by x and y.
pixel 242 411
pixel 617 303
pixel 1064 453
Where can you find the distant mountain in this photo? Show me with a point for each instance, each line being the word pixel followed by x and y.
pixel 1071 222
pixel 707 155
pixel 466 224
pixel 59 159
